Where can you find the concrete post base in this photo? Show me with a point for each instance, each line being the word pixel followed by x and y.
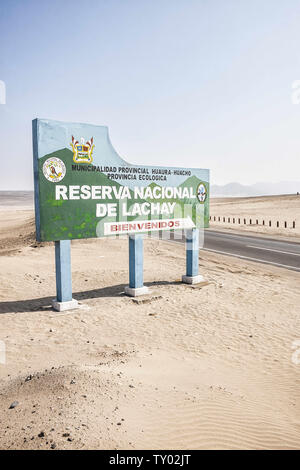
pixel 192 279
pixel 135 292
pixel 63 306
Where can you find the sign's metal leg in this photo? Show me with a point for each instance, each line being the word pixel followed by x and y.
pixel 192 253
pixel 136 266
pixel 64 300
pixel 192 258
pixel 136 261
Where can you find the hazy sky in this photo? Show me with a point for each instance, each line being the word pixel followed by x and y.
pixel 192 83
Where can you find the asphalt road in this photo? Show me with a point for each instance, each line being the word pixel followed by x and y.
pixel 262 250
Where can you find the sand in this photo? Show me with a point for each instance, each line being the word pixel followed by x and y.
pixel 206 367
pixel 266 208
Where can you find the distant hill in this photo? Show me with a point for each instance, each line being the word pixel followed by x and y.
pixel 16 198
pixel 257 189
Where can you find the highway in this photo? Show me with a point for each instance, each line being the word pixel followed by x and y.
pixel 252 248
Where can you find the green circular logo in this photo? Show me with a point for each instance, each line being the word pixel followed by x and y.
pixel 201 193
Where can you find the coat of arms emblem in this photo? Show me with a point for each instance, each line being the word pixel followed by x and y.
pixel 82 151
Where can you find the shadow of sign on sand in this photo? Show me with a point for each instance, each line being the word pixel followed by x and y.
pixel 44 303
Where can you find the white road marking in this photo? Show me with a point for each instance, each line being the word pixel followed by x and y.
pixel 252 238
pixel 253 259
pixel 276 251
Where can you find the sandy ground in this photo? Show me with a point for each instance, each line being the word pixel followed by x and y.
pixel 268 208
pixel 207 367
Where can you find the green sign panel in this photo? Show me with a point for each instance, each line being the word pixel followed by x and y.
pixel 84 189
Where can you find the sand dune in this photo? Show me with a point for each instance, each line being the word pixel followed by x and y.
pixel 206 367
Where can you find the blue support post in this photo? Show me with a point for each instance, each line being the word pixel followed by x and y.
pixel 63 271
pixel 192 252
pixel 136 261
pixel 64 300
pixel 192 258
pixel 136 266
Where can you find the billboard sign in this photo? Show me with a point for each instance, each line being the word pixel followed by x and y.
pixel 84 189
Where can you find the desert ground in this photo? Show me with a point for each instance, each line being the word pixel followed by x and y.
pixel 272 209
pixel 213 366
